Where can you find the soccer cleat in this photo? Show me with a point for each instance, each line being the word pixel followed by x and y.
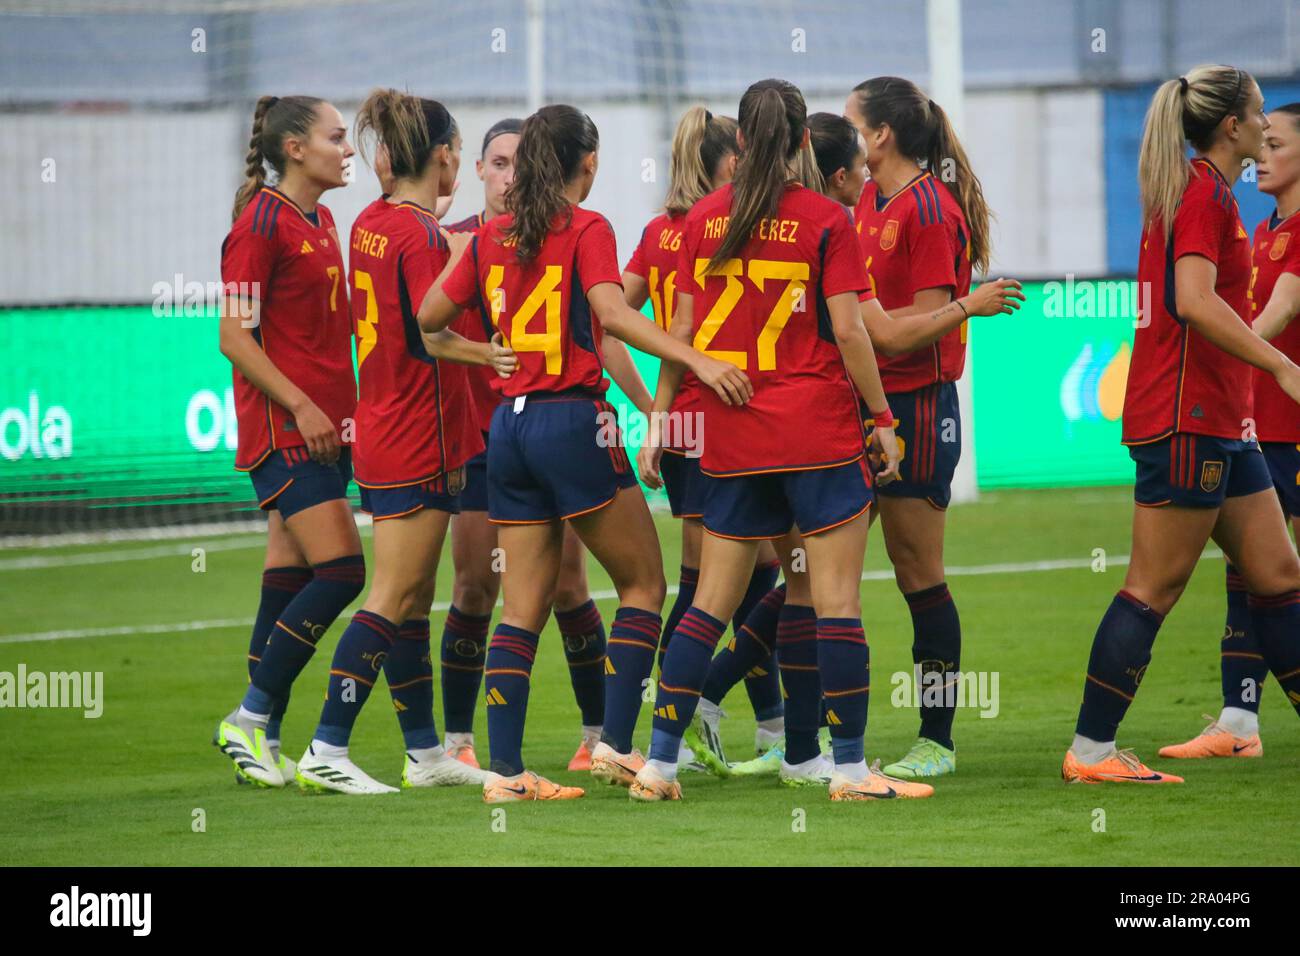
pixel 926 759
pixel 1215 741
pixel 443 770
pixel 288 769
pixel 464 753
pixel 335 773
pixel 1119 766
pixel 244 742
pixel 525 786
pixel 616 769
pixel 811 773
pixel 581 759
pixel 686 762
pixel 766 764
pixel 649 786
pixel 704 738
pixel 876 786
pixel 765 740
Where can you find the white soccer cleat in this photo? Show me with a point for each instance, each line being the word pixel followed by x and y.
pixel 334 772
pixel 442 770
pixel 816 772
pixel 244 742
pixel 288 769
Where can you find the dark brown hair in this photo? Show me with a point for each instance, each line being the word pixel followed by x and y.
pixel 773 117
pixel 410 128
pixel 923 133
pixel 552 145
pixel 834 142
pixel 274 119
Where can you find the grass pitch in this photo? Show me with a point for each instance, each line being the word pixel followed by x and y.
pixel 124 788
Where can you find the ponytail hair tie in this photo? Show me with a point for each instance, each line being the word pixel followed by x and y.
pixel 708 117
pixel 1182 84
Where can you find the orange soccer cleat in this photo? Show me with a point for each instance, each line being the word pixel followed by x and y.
pixel 581 758
pixel 464 753
pixel 1119 766
pixel 650 786
pixel 1215 741
pixel 876 786
pixel 618 770
pixel 526 786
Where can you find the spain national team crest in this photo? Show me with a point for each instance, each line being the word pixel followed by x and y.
pixel 1278 249
pixel 890 234
pixel 1211 475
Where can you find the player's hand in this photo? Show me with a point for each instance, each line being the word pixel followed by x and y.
pixel 318 431
pixel 731 384
pixel 458 242
pixel 444 202
pixel 504 360
pixel 995 297
pixel 647 465
pixel 884 454
pixel 1288 379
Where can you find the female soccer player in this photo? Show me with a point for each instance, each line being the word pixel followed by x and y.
pixel 540 274
pixel 922 228
pixel 703 159
pixel 286 330
pixel 769 276
pixel 474 538
pixel 414 433
pixel 1187 412
pixel 838 170
pixel 1274 301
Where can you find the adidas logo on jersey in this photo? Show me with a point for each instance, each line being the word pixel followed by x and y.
pixel 306 247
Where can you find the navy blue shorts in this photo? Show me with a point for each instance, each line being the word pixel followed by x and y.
pixel 928 427
pixel 441 494
pixel 474 496
pixel 289 481
pixel 1197 471
pixel 684 483
pixel 554 458
pixel 767 505
pixel 1283 460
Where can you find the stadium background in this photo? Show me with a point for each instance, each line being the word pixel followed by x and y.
pixel 125 135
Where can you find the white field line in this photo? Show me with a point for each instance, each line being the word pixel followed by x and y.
pixel 1021 567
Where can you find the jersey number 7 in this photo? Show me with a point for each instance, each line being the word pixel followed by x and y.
pixel 792 297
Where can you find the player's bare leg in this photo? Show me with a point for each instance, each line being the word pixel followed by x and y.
pixel 622 537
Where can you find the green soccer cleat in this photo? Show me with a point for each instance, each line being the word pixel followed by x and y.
pixel 244 742
pixel 766 765
pixel 704 739
pixel 926 759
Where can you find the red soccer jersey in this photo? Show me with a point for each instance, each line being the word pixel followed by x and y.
pixel 415 419
pixel 765 312
pixel 916 239
pixel 294 268
pixel 1277 250
pixel 655 260
pixel 470 324
pixel 541 306
pixel 1177 380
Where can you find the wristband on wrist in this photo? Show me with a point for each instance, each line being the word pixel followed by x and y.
pixel 883 419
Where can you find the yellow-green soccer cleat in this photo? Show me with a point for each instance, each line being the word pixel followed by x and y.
pixel 765 765
pixel 705 740
pixel 244 742
pixel 926 759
